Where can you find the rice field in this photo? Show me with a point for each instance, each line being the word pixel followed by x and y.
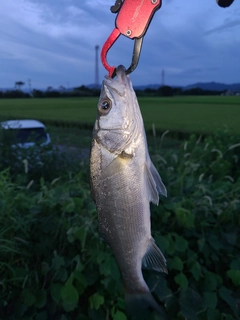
pixel 201 114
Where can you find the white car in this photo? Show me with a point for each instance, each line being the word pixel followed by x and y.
pixel 28 138
pixel 27 133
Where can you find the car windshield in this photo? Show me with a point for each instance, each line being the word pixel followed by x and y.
pixel 31 135
pixel 15 136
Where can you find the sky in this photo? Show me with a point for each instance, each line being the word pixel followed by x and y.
pixel 52 43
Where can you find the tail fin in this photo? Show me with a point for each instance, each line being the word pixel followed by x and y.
pixel 140 306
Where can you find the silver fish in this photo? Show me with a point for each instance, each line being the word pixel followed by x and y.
pixel 123 183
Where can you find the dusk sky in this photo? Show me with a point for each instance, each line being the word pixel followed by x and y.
pixel 52 43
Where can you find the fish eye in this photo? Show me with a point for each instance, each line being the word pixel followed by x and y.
pixel 104 106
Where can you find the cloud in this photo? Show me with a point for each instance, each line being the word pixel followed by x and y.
pixel 52 42
pixel 228 26
pixel 47 36
pixel 49 20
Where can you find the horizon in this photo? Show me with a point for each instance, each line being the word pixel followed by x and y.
pixel 26 88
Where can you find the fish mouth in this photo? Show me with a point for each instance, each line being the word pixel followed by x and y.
pixel 120 83
pixel 121 75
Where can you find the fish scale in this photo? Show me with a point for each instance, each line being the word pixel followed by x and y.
pixel 121 218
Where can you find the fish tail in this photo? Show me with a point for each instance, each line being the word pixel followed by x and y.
pixel 140 306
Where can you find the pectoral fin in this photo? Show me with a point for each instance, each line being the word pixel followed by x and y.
pixel 155 185
pixel 116 166
pixel 154 259
pixel 158 181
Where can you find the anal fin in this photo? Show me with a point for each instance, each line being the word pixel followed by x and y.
pixel 154 259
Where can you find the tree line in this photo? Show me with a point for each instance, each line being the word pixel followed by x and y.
pixel 83 91
pixel 167 91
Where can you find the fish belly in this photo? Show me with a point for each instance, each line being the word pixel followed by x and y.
pixel 124 215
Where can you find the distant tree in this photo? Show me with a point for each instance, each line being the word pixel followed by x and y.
pixel 82 88
pixel 96 92
pixel 13 94
pixel 52 94
pixel 83 91
pixel 177 91
pixel 18 85
pixel 49 88
pixel 62 88
pixel 150 90
pixel 165 91
pixel 201 92
pixel 37 93
pixel 194 92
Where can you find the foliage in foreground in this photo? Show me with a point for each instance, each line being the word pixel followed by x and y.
pixel 54 266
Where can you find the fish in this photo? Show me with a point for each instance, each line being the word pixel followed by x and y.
pixel 123 182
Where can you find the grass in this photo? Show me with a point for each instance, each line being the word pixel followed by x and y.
pixel 71 137
pixel 192 114
pixel 202 114
pixel 55 109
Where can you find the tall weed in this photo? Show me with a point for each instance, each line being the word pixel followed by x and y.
pixel 54 266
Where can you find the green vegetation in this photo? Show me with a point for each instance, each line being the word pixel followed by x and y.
pixel 65 110
pixel 82 91
pixel 192 114
pixel 53 264
pixel 182 114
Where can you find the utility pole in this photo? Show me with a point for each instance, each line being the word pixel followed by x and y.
pixel 30 85
pixel 163 78
pixel 96 67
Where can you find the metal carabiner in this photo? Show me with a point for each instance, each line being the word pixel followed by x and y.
pixel 107 45
pixel 132 21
